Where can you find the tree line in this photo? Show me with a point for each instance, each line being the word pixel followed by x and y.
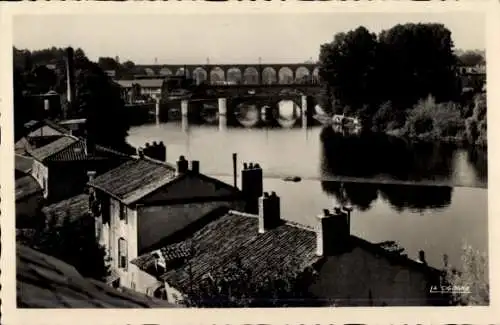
pixel 404 79
pixel 98 98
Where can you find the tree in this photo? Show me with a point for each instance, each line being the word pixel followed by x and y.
pixel 470 284
pixel 417 60
pixel 99 101
pixel 348 67
pixel 107 63
pixel 72 241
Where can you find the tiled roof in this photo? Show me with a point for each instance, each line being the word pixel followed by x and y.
pixel 215 245
pixel 52 148
pixel 27 186
pixel 77 151
pixel 74 208
pixel 23 163
pixel 144 83
pixel 46 282
pixel 134 179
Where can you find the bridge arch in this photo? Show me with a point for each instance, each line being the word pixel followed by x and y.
pixel 251 76
pixel 302 75
pixel 182 72
pixel 234 75
pixel 269 76
pixel 165 72
pixel 315 75
pixel 199 75
pixel 285 76
pixel 149 71
pixel 217 75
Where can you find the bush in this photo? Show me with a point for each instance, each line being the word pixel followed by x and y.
pixel 432 121
pixel 470 284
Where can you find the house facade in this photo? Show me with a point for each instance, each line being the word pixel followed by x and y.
pixel 144 203
pixel 61 166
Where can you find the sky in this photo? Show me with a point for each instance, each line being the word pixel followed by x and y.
pixel 229 38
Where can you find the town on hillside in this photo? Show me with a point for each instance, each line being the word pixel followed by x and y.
pixel 320 183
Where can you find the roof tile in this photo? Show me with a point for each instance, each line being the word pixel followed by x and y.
pixel 52 148
pixel 134 179
pixel 46 282
pixel 27 186
pixel 215 246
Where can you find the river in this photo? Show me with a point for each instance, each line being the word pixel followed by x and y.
pixel 424 197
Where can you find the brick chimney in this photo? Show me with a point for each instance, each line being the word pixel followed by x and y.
pixel 332 231
pixel 182 165
pixel 252 186
pixel 156 151
pixel 269 211
pixel 195 166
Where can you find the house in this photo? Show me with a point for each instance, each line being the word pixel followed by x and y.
pixel 149 87
pixel 43 281
pixel 143 202
pixel 29 199
pixel 346 270
pixel 61 166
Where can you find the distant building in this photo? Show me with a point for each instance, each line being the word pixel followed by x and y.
pixel 61 166
pixel 149 87
pixel 43 281
pixel 143 202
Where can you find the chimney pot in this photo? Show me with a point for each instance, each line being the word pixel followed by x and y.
pixel 147 145
pixel 245 166
pixel 182 165
pixel 250 166
pixel 195 166
pixel 256 166
pixel 332 233
pixel 155 143
pixel 269 210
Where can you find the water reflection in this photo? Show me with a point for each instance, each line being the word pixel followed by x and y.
pixel 378 156
pixel 400 197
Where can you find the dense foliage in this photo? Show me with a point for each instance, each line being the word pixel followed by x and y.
pixel 235 286
pixel 404 80
pixel 98 98
pixel 72 241
pixel 470 283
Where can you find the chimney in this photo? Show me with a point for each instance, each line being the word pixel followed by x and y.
pixel 70 82
pixel 252 186
pixel 182 165
pixel 269 211
pixel 195 166
pixel 332 232
pixel 140 152
pixel 156 151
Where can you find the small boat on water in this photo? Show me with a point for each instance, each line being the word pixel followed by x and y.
pixel 292 179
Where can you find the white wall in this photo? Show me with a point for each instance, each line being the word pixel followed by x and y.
pixel 41 174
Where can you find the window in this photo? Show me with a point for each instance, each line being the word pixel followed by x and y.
pixel 122 253
pixel 123 212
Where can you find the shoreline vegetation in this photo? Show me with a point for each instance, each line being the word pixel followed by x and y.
pixel 408 81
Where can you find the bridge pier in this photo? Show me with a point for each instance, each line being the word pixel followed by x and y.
pixel 157 107
pixel 222 112
pixel 304 111
pixel 222 106
pixel 184 108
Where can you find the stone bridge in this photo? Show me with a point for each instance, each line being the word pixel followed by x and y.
pixel 248 74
